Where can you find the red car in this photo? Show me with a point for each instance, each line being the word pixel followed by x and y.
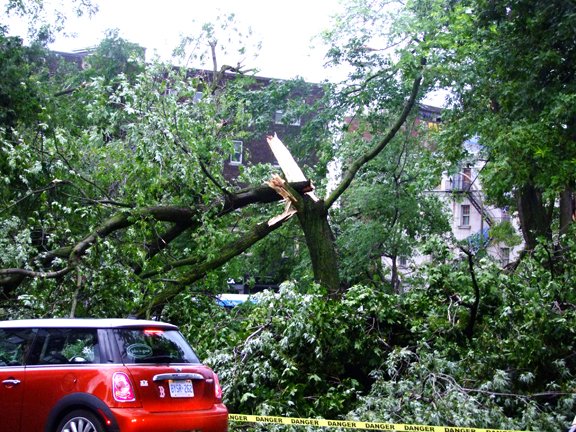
pixel 104 375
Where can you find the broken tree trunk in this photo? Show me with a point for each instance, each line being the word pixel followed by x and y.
pixel 321 244
pixel 313 216
pixel 313 212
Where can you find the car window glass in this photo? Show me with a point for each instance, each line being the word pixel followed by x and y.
pixel 154 346
pixel 63 346
pixel 14 344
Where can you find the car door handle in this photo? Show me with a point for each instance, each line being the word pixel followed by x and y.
pixel 11 382
pixel 177 376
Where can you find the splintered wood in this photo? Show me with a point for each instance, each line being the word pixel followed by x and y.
pixel 279 185
pixel 288 165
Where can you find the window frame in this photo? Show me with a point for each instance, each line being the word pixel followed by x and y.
pixel 142 345
pixel 465 214
pixel 279 116
pixel 66 352
pixel 237 157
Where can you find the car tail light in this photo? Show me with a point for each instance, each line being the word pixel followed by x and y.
pixel 217 388
pixel 122 388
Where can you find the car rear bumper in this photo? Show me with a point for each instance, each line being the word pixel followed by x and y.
pixel 139 420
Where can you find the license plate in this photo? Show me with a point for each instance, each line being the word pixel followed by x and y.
pixel 181 388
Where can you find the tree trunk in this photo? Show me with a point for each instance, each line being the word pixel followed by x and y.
pixel 395 278
pixel 567 209
pixel 535 217
pixel 320 242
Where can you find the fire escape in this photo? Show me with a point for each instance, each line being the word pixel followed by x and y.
pixel 463 183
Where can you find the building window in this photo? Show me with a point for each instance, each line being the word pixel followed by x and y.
pixel 197 97
pixel 403 261
pixel 279 118
pixel 466 178
pixel 465 215
pixel 236 157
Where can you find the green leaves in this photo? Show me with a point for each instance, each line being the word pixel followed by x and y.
pixel 295 353
pixel 403 358
pixel 387 210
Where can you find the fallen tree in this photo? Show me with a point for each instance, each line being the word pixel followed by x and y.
pixel 125 176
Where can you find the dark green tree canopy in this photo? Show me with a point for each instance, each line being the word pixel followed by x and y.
pixel 511 67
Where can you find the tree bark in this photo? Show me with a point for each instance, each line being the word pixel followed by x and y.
pixel 469 330
pixel 395 277
pixel 313 219
pixel 535 216
pixel 567 210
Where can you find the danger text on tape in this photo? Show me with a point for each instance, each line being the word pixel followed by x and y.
pixel 351 424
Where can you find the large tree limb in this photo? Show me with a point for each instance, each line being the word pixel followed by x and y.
pixel 183 218
pixel 200 267
pixel 35 274
pixel 259 195
pixel 11 277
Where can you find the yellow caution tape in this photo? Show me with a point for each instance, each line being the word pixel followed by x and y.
pixel 351 424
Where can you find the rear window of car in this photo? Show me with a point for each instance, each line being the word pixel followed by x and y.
pixel 154 346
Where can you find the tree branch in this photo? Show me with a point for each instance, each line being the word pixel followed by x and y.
pixel 201 267
pixel 15 276
pixel 162 242
pixel 371 154
pixel 260 194
pixel 183 218
pixel 52 185
pixel 35 274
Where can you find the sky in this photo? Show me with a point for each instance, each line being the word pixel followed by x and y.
pixel 285 28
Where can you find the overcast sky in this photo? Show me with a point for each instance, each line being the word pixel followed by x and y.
pixel 285 28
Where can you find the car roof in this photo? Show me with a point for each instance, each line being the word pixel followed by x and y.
pixel 84 322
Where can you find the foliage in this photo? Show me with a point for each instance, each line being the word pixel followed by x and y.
pixel 44 19
pixel 223 37
pixel 510 68
pixel 132 141
pixel 103 146
pixel 299 354
pixel 109 144
pixel 505 233
pixel 388 211
pixel 85 150
pixel 115 57
pixel 372 356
